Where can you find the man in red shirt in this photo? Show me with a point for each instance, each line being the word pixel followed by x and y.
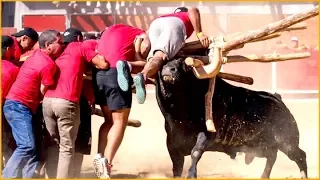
pixel 83 141
pixel 61 108
pixel 9 73
pixel 9 70
pixel 34 77
pixel 117 43
pixel 24 40
pixel 167 35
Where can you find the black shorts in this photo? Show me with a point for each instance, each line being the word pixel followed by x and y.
pixel 107 90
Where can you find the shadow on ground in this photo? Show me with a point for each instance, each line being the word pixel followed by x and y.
pixel 88 173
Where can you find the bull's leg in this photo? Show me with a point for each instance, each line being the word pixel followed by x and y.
pixel 271 159
pixel 177 159
pixel 298 156
pixel 196 154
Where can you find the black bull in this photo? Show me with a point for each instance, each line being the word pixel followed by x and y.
pixel 254 122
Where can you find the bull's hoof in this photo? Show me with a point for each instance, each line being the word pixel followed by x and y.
pixel 303 175
pixel 233 155
pixel 265 177
pixel 248 159
pixel 192 174
pixel 191 177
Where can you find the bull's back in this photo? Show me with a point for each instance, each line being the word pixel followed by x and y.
pixel 244 116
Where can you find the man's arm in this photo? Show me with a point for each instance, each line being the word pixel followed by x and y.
pixel 92 56
pixel 99 62
pixel 139 60
pixel 194 16
pixel 47 77
pixel 43 89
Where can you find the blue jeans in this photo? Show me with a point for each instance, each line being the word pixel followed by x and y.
pixel 24 159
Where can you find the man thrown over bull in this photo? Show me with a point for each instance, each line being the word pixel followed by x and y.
pixel 167 36
pixel 61 108
pixel 35 76
pixel 128 45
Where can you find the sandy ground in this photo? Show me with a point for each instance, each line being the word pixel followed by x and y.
pixel 143 152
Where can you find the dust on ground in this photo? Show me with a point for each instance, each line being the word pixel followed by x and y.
pixel 143 152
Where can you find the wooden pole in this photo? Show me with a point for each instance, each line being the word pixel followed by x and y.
pixel 237 40
pixel 196 61
pixel 267 58
pixel 271 28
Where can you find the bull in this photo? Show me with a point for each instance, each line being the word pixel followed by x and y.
pixel 256 123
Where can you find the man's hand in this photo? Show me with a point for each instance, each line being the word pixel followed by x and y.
pixel 205 41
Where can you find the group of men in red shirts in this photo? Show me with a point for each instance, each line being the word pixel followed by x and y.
pixel 53 75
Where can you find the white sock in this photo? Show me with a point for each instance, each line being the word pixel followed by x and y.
pixel 98 156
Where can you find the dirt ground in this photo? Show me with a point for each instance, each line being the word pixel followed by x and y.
pixel 143 152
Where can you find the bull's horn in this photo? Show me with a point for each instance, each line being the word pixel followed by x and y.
pixel 236 78
pixel 193 62
pixel 213 68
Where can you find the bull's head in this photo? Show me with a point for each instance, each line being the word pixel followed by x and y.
pixel 177 85
pixel 174 71
pixel 173 77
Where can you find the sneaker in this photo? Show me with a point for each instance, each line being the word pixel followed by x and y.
pixel 123 75
pixel 106 169
pixel 140 88
pixel 97 165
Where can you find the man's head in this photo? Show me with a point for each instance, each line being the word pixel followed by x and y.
pixel 72 35
pixel 7 47
pixel 145 46
pixel 294 42
pixel 181 9
pixel 27 37
pixel 51 42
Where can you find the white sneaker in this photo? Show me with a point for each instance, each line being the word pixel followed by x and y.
pixel 106 168
pixel 97 165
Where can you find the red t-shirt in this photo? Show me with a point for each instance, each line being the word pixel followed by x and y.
pixel 92 44
pixel 17 49
pixel 184 16
pixel 117 43
pixel 9 73
pixel 25 56
pixel 71 66
pixel 38 69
